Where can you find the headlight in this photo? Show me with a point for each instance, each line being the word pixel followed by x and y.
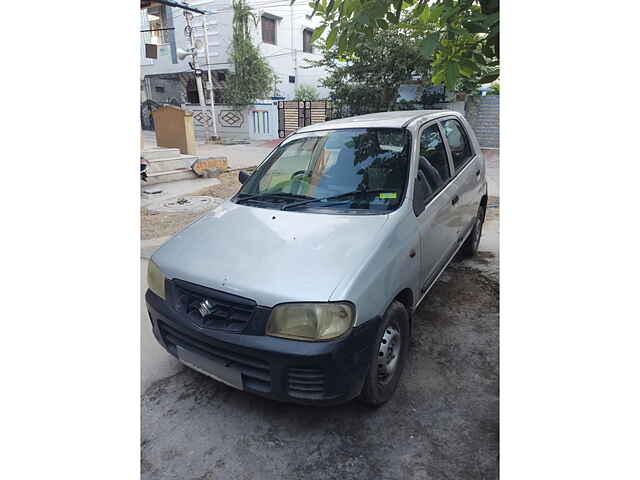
pixel 310 321
pixel 155 280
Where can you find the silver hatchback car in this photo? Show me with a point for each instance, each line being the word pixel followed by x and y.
pixel 302 286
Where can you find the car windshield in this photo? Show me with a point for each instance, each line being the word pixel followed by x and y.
pixel 355 170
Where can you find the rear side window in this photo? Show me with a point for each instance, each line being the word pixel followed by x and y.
pixel 433 161
pixel 458 142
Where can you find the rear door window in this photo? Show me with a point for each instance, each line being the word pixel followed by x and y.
pixel 433 162
pixel 458 141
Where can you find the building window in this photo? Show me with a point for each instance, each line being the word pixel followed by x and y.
pixel 306 40
pixel 292 79
pixel 156 25
pixel 159 89
pixel 221 76
pixel 268 29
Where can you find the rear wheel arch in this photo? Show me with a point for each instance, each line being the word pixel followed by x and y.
pixel 484 201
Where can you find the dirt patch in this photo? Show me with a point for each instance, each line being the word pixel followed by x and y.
pixel 442 423
pixel 163 224
pixel 229 185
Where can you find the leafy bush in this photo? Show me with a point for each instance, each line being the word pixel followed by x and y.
pixel 305 93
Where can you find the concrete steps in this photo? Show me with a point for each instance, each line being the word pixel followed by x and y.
pixel 156 153
pixel 168 165
pixel 170 176
pixel 159 165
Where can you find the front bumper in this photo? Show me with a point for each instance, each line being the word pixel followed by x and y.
pixel 323 373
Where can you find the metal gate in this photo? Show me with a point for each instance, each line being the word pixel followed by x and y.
pixel 296 114
pixel 260 120
pixel 146 119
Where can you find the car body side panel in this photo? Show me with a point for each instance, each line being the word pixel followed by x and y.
pixel 481 180
pixel 464 186
pixel 437 233
pixel 474 183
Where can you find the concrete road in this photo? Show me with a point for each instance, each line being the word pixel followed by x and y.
pixel 492 160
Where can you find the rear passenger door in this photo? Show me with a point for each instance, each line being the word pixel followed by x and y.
pixel 436 234
pixel 465 187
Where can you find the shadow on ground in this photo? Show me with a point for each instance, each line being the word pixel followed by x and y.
pixel 442 422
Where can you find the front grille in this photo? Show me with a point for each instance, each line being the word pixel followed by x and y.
pixel 212 309
pixel 255 372
pixel 307 383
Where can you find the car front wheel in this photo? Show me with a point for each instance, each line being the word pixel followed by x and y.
pixel 388 357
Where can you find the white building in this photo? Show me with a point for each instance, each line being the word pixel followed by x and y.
pixel 282 33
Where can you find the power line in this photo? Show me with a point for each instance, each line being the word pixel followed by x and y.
pixel 268 3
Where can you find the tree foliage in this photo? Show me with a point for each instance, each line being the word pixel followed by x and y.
pixel 253 77
pixel 369 77
pixel 305 93
pixel 461 37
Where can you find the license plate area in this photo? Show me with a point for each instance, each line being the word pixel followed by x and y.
pixel 218 370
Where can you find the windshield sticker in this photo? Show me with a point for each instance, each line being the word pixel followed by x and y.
pixel 388 195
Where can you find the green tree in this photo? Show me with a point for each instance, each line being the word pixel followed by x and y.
pixel 367 79
pixel 462 37
pixel 253 78
pixel 305 93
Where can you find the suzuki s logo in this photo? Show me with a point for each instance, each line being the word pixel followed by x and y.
pixel 206 308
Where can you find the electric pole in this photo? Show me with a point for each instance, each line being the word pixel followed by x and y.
pixel 210 82
pixel 194 55
pixel 294 51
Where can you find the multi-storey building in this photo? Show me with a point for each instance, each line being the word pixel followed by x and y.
pixel 282 32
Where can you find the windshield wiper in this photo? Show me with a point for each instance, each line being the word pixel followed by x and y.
pixel 334 197
pixel 267 195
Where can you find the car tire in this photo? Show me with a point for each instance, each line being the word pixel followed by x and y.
pixel 388 356
pixel 470 246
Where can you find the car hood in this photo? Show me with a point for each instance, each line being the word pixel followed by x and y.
pixel 270 256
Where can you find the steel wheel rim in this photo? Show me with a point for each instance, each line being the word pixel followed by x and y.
pixel 388 357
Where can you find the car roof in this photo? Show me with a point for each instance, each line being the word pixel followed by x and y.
pixel 379 120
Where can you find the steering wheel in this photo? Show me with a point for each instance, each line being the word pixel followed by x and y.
pixel 295 174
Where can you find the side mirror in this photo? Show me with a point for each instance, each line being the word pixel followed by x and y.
pixel 243 176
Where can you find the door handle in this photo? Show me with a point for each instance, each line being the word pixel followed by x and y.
pixel 455 200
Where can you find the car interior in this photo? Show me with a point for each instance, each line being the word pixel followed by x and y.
pixel 433 162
